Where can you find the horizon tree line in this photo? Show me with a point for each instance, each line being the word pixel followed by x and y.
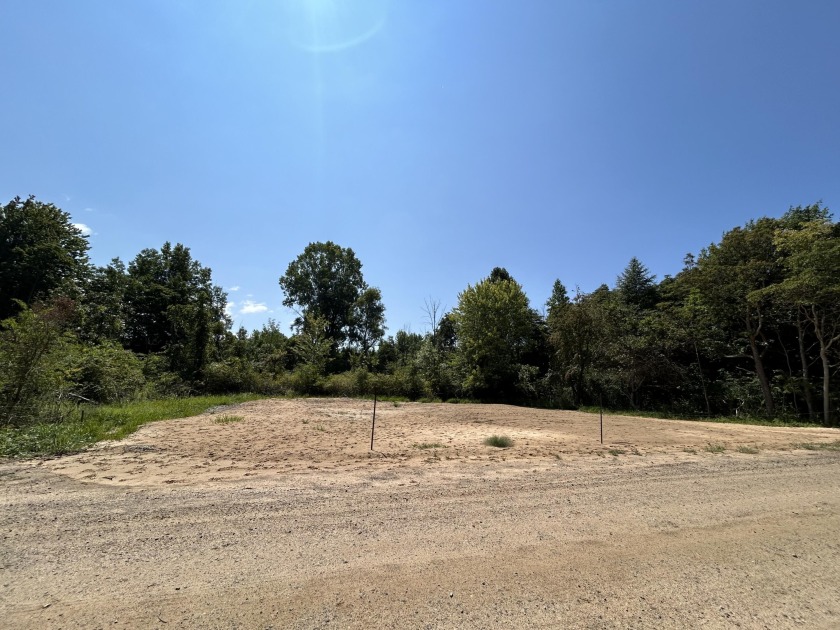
pixel 750 325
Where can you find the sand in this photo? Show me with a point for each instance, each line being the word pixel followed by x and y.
pixel 284 518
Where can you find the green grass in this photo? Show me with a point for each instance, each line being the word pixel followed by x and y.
pixel 714 448
pixel 499 441
pixel 819 446
pixel 748 450
pixel 226 419
pixel 103 422
pixel 664 415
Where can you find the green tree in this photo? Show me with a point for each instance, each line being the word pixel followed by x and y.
pixel 41 253
pixel 636 285
pixel 494 324
pixel 172 307
pixel 812 285
pixel 730 277
pixel 325 282
pixel 367 325
pixel 576 333
pixel 33 375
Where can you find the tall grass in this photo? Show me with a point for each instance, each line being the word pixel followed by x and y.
pixel 91 424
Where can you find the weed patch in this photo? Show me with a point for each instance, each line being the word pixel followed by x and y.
pixel 93 423
pixel 819 446
pixel 226 419
pixel 714 448
pixel 748 450
pixel 499 441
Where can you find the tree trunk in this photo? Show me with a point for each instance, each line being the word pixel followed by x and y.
pixel 825 340
pixel 826 388
pixel 759 367
pixel 702 380
pixel 806 381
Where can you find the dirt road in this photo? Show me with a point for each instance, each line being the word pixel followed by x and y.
pixel 553 533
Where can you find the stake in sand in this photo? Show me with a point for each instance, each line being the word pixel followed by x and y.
pixel 373 424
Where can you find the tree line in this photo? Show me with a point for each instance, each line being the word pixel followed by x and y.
pixel 749 326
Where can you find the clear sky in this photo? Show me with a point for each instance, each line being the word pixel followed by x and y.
pixel 437 138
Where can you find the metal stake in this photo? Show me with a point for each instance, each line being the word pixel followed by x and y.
pixel 601 407
pixel 373 424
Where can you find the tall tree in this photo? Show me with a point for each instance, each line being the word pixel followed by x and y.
pixel 172 306
pixel 636 285
pixel 494 324
pixel 368 322
pixel 325 282
pixel 812 285
pixel 576 333
pixel 730 276
pixel 41 252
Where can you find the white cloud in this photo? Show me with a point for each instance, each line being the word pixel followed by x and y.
pixel 229 308
pixel 249 307
pixel 236 288
pixel 84 229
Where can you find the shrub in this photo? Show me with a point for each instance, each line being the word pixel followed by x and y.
pixel 499 441
pixel 231 376
pixel 107 373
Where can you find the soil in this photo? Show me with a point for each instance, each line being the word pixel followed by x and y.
pixel 276 514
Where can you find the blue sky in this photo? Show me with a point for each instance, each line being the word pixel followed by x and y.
pixel 437 138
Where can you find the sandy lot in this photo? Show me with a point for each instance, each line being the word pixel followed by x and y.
pixel 285 518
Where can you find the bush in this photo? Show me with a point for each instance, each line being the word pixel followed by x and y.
pixel 107 373
pixel 34 375
pixel 499 441
pixel 306 379
pixel 231 376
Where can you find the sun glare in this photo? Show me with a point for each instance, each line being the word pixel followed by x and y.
pixel 332 25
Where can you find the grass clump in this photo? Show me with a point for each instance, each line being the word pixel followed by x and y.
pixel 93 423
pixel 499 441
pixel 819 446
pixel 714 448
pixel 228 419
pixel 427 445
pixel 615 452
pixel 748 450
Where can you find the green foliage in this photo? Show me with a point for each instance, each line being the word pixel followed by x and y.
pixel 89 424
pixel 228 419
pixel 41 254
pixel 636 285
pixel 35 378
pixel 230 376
pixel 367 325
pixel 312 344
pixel 325 282
pixel 306 379
pixel 172 309
pixel 714 448
pixel 819 446
pixel 107 373
pixel 494 322
pixel 498 441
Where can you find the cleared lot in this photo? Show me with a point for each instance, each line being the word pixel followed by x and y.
pixel 284 519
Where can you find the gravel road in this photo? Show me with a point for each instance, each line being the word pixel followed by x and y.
pixel 578 541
